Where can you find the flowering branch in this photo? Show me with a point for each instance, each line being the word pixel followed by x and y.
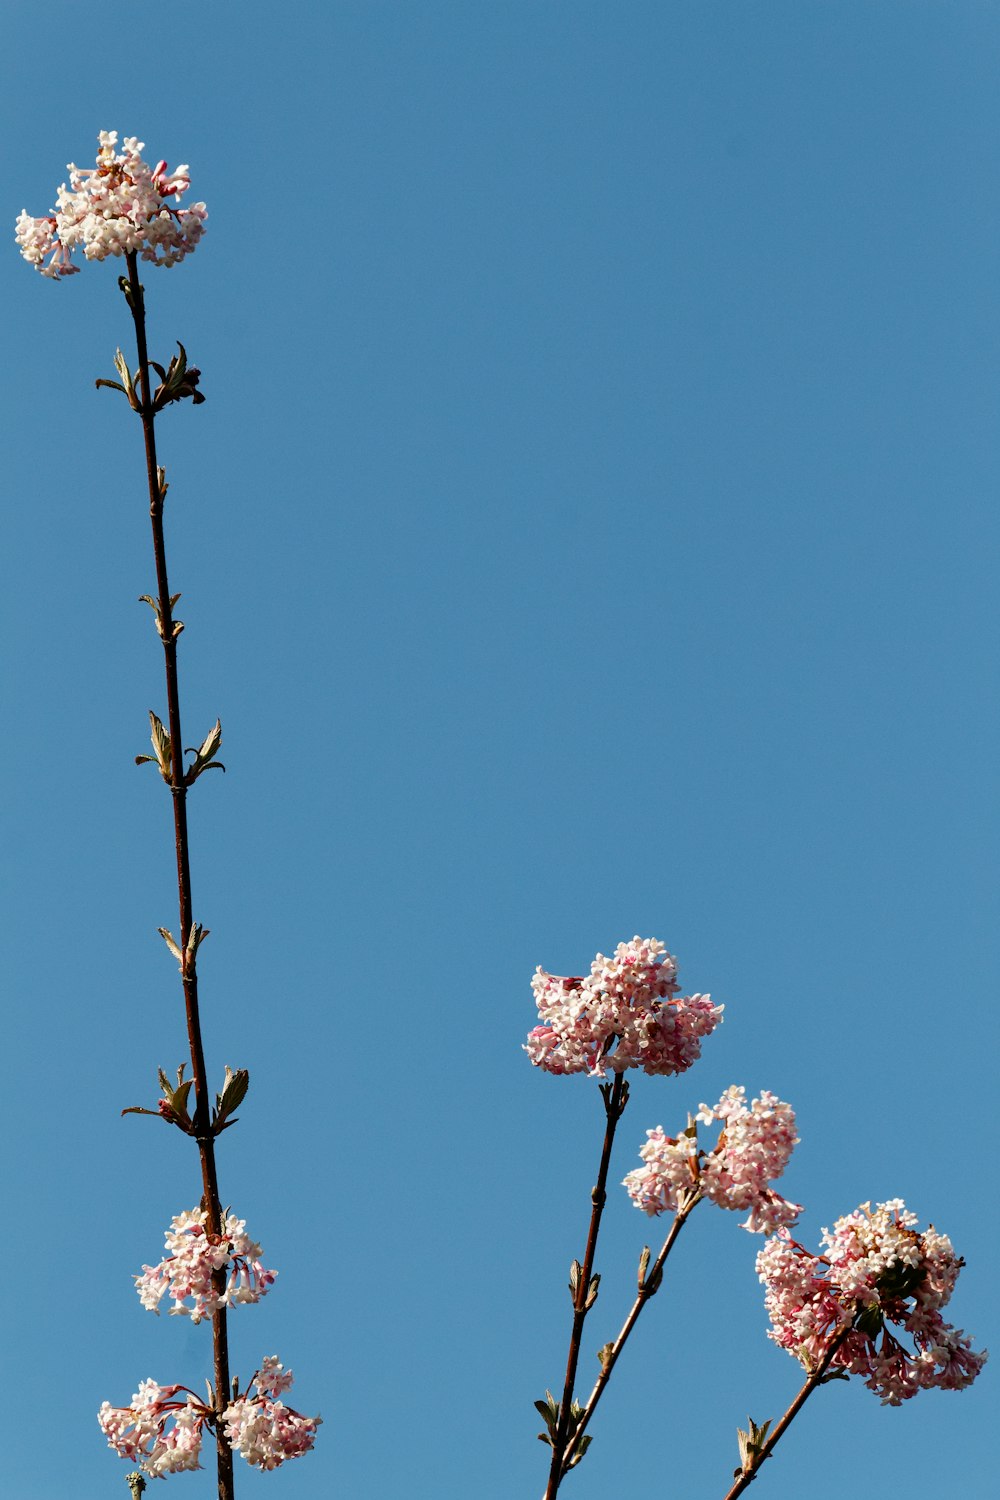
pixel 627 1013
pixel 833 1311
pixel 752 1150
pixel 119 207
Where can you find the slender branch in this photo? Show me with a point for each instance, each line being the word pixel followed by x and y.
pixel 648 1287
pixel 202 1124
pixel 815 1379
pixel 615 1099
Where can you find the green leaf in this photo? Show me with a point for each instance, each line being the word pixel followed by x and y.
pixel 234 1091
pixel 869 1321
pixel 581 1449
pixel 180 1096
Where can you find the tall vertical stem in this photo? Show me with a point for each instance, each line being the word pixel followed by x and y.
pixel 614 1102
pixel 202 1121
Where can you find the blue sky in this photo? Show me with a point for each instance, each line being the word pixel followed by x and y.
pixel 590 530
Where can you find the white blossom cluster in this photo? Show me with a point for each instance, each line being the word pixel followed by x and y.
pixel 195 1257
pixel 262 1429
pixel 118 206
pixel 158 1431
pixel 162 1429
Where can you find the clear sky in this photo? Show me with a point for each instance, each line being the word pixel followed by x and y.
pixel 591 530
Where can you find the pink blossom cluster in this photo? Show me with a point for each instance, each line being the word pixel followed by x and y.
pixel 624 1014
pixel 753 1149
pixel 262 1429
pixel 117 206
pixel 877 1270
pixel 195 1256
pixel 159 1432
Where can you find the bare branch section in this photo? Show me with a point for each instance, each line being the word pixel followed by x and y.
pixel 168 744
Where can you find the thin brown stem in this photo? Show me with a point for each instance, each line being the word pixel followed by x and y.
pixel 202 1123
pixel 648 1287
pixel 615 1099
pixel 815 1379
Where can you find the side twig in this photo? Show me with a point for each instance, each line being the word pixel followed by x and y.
pixel 815 1379
pixel 649 1285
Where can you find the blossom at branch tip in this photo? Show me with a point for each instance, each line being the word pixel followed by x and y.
pixel 195 1256
pixel 753 1149
pixel 161 1430
pixel 877 1271
pixel 118 206
pixel 626 1013
pixel 261 1428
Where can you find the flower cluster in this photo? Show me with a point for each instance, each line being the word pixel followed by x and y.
pixel 159 1432
pixel 262 1428
pixel 877 1270
pixel 753 1149
pixel 625 1014
pixel 162 1429
pixel 118 206
pixel 195 1257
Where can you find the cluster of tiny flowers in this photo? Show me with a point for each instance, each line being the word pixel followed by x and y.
pixel 753 1150
pixel 625 1014
pixel 195 1256
pixel 162 1429
pixel 118 206
pixel 877 1270
pixel 261 1428
pixel 159 1432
